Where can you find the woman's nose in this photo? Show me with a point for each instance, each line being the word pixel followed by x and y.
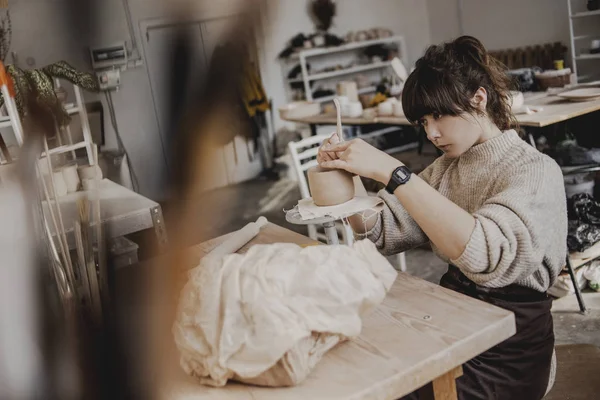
pixel 433 133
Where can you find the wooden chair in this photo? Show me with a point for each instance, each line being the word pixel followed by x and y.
pixel 576 373
pixel 304 153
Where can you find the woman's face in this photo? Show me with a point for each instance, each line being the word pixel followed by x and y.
pixel 452 134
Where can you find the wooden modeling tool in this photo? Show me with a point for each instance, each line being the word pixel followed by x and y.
pixel 330 187
pixel 338 110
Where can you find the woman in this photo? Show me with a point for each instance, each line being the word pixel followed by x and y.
pixel 491 206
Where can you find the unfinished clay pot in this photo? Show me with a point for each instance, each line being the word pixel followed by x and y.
pixel 330 187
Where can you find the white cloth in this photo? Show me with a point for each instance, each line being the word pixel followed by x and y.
pixel 309 210
pixel 266 317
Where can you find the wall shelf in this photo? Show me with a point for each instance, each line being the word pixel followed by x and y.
pixel 585 14
pixel 345 47
pixel 576 54
pixel 346 71
pixel 587 56
pixel 334 53
pixel 369 89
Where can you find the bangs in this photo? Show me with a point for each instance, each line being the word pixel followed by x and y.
pixel 429 91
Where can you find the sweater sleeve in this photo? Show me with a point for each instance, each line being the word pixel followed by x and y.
pixel 395 230
pixel 519 228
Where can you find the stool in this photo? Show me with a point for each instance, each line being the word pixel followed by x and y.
pixel 576 373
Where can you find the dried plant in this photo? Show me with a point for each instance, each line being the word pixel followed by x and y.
pixel 40 83
pixel 5 35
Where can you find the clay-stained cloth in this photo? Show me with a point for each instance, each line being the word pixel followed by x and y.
pixel 268 316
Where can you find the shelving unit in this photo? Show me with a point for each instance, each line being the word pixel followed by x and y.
pixel 368 89
pixel 348 55
pixel 13 121
pixel 328 53
pixel 345 47
pixel 359 68
pixel 577 16
pixel 587 56
pixel 585 14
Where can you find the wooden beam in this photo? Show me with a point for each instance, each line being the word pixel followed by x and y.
pixel 3 147
pixel 443 387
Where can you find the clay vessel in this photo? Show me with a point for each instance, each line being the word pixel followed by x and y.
pixel 330 187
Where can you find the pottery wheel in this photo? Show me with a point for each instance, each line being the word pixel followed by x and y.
pixel 335 213
pixel 293 217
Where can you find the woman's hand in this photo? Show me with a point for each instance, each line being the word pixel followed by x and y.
pixel 323 156
pixel 357 157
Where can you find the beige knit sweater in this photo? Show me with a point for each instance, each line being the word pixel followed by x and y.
pixel 517 197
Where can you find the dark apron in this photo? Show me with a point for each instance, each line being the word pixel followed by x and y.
pixel 519 367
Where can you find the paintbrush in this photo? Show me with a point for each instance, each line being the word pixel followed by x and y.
pixel 59 232
pixel 82 264
pixel 100 247
pixel 83 207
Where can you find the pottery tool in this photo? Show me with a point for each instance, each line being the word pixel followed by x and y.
pixel 338 110
pixel 62 281
pixel 83 207
pixel 62 245
pixel 100 242
pixel 238 239
pixel 83 275
pixel 59 227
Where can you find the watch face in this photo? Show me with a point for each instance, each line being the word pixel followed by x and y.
pixel 402 174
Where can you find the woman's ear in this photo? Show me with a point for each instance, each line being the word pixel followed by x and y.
pixel 479 99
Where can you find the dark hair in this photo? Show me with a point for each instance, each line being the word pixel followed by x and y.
pixel 448 75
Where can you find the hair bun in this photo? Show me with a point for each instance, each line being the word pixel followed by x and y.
pixel 471 47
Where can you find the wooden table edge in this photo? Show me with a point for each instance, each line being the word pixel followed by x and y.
pixel 508 323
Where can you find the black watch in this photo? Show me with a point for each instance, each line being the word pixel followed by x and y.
pixel 400 176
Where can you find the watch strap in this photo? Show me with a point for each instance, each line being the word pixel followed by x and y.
pixel 400 176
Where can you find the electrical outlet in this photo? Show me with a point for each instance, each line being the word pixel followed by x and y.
pixel 109 79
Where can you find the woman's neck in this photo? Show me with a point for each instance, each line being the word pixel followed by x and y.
pixel 489 131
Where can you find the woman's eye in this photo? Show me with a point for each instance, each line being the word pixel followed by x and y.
pixel 437 115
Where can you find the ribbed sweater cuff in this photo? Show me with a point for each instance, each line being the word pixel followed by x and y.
pixel 475 257
pixel 375 232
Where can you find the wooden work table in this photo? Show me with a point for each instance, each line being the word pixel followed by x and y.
pixel 421 333
pixel 123 211
pixel 554 110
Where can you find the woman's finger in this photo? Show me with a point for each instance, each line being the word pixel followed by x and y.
pixel 337 164
pixel 323 157
pixel 338 147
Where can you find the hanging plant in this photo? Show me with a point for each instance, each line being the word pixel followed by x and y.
pixel 41 82
pixel 5 35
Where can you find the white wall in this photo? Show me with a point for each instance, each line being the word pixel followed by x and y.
pixel 38 32
pixel 501 24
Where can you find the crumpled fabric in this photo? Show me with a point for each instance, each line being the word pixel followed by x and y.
pixel 268 316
